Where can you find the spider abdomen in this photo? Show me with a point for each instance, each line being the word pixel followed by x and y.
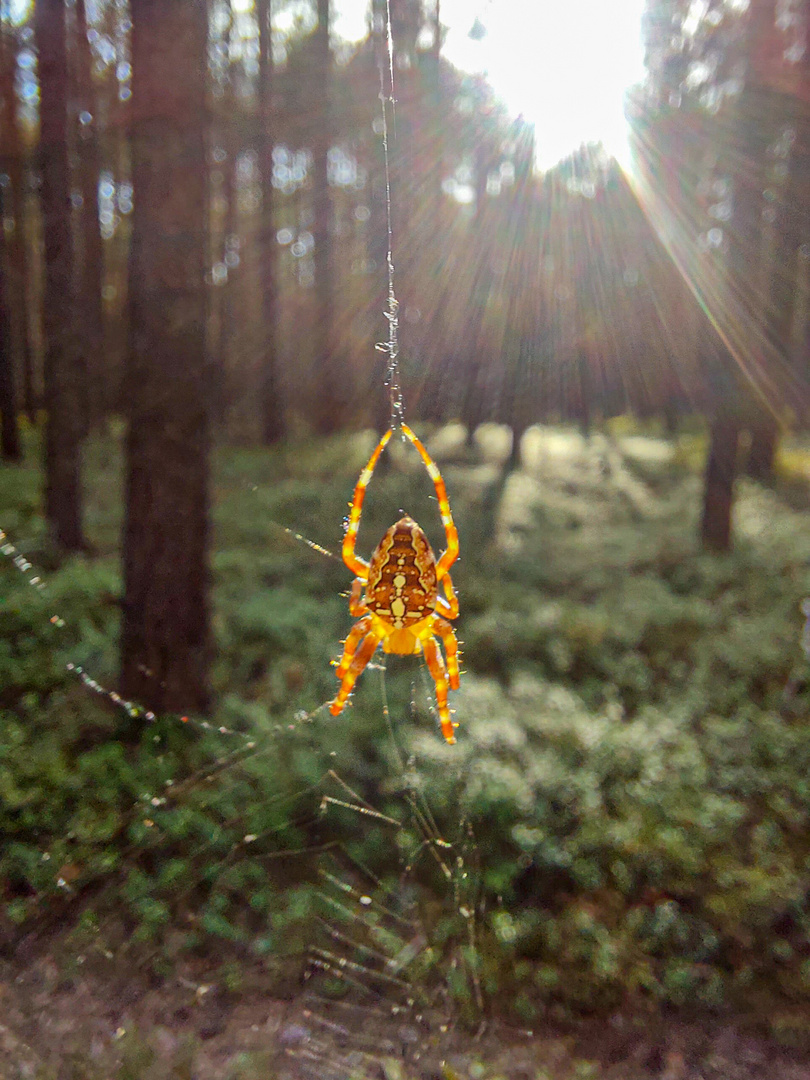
pixel 401 586
pixel 401 609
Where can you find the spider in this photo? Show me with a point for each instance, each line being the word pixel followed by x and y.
pixel 402 608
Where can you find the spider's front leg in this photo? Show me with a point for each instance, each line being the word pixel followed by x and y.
pixel 355 564
pixel 451 554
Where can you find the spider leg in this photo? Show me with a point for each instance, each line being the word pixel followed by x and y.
pixel 353 671
pixel 448 636
pixel 444 505
pixel 357 632
pixel 449 607
pixel 356 605
pixel 357 565
pixel 437 669
pixel 450 531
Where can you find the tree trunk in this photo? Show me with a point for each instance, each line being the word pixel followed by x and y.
pixel 725 394
pixel 20 263
pixel 62 389
pixel 761 455
pixel 9 430
pixel 223 298
pixel 91 266
pixel 271 404
pixel 586 394
pixel 12 161
pixel 327 405
pixel 784 271
pixel 165 632
pixel 718 489
pixel 473 404
pixel 432 402
pixel 517 393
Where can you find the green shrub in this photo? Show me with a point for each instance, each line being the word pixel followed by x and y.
pixel 625 812
pixel 651 854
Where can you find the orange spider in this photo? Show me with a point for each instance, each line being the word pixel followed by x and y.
pixel 402 608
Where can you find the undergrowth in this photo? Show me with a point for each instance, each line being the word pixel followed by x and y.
pixel 629 786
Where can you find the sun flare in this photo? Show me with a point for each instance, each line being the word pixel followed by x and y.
pixel 565 66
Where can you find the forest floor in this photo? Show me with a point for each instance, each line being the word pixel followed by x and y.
pixel 61 1023
pixel 83 1013
pixel 69 1016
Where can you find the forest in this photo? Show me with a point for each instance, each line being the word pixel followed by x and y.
pixel 254 820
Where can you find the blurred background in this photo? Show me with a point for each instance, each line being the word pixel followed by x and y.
pixel 595 211
pixel 599 221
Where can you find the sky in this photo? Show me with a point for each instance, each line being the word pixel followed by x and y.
pixel 563 64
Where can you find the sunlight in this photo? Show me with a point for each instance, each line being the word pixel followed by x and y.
pixel 17 11
pixel 564 64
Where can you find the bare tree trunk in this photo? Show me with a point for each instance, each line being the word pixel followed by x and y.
pixel 762 453
pixel 165 634
pixel 62 389
pixel 726 395
pixel 9 430
pixel 800 173
pixel 517 405
pixel 718 489
pixel 12 161
pixel 223 299
pixel 327 405
pixel 91 265
pixel 473 402
pixel 433 395
pixel 20 263
pixel 272 405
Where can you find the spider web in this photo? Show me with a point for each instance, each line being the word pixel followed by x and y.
pixel 373 955
pixel 373 958
pixel 390 347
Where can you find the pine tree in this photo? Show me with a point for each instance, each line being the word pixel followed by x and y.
pixel 91 263
pixel 61 373
pixel 13 162
pixel 705 111
pixel 165 632
pixel 9 431
pixel 777 74
pixel 271 404
pixel 328 400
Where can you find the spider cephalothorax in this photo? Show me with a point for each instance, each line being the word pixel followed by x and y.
pixel 402 608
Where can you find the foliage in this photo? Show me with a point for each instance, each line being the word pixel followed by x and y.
pixel 661 855
pixel 627 804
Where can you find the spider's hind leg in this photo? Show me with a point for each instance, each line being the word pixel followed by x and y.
pixel 356 634
pixel 354 663
pixel 435 664
pixel 448 636
pixel 356 605
pixel 447 607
